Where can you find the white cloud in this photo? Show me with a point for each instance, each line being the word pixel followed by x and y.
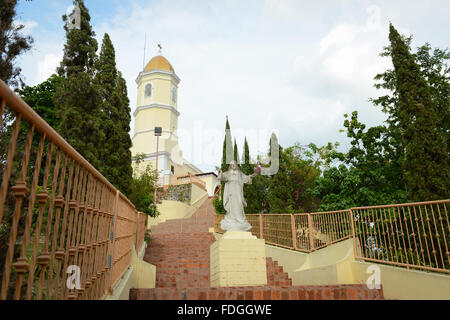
pixel 47 66
pixel 286 65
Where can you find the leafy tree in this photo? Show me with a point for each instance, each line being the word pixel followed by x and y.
pixel 12 44
pixel 77 98
pixel 255 193
pixel 369 173
pixel 114 154
pixel 218 205
pixel 143 187
pixel 413 120
pixel 40 99
pixel 287 188
pixel 435 70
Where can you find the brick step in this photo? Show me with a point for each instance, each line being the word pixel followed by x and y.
pixel 337 292
pixel 180 251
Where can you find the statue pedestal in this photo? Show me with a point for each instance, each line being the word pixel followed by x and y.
pixel 238 259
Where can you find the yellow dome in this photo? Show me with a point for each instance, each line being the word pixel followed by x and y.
pixel 159 62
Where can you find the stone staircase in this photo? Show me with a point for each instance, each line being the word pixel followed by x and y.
pixel 180 251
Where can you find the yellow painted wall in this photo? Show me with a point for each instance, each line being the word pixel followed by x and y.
pixel 330 265
pixel 147 119
pixel 154 117
pixel 144 273
pixel 400 283
pixel 162 84
pixel 196 193
pixel 169 210
pixel 238 259
pixel 178 210
pixel 140 274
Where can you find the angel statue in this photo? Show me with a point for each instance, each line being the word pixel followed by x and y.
pixel 233 198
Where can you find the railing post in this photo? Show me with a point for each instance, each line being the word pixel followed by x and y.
pixel 137 231
pixel 113 240
pixel 294 237
pixel 353 231
pixel 311 233
pixel 260 227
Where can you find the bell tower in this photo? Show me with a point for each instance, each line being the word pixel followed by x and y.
pixel 157 106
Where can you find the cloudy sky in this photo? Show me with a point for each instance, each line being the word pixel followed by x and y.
pixel 289 66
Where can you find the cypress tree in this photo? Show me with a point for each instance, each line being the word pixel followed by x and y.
pixel 114 153
pixel 236 152
pixel 81 46
pixel 425 161
pixel 224 166
pixel 77 96
pixel 247 168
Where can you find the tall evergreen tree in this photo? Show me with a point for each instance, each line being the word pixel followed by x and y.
pixel 114 153
pixel 246 167
pixel 81 46
pixel 436 71
pixel 236 152
pixel 425 162
pixel 77 97
pixel 224 165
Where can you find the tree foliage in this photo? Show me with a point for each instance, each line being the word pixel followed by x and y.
pixel 77 98
pixel 418 115
pixel 12 44
pixel 143 187
pixel 114 154
pixel 40 99
pixel 368 174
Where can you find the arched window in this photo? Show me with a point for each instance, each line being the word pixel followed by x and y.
pixel 174 94
pixel 148 90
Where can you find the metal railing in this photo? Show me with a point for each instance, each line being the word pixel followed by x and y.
pixel 411 235
pixel 65 231
pixel 304 232
pixel 189 178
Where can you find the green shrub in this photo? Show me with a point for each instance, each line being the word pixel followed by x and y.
pixel 218 205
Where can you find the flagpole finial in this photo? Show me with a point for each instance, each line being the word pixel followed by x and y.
pixel 159 48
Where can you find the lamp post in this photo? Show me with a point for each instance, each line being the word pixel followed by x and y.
pixel 158 132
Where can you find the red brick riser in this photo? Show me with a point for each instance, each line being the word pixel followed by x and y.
pixel 180 251
pixel 338 292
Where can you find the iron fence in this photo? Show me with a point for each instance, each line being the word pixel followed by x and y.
pixel 411 235
pixel 303 232
pixel 65 231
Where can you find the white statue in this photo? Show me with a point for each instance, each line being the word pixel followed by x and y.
pixel 233 198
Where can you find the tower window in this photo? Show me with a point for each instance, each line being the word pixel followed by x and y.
pixel 172 169
pixel 148 90
pixel 174 94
